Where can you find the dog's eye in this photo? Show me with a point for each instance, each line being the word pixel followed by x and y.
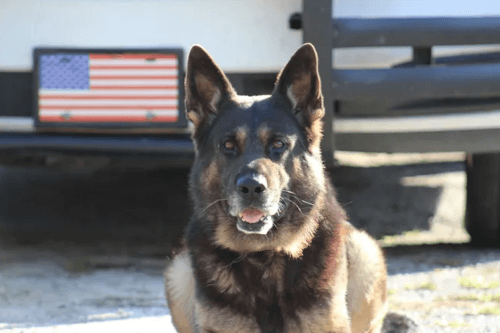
pixel 278 144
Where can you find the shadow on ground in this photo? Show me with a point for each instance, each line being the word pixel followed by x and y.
pixel 423 258
pixel 120 208
pixel 378 201
pixel 115 209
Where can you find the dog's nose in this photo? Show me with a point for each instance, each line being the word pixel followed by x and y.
pixel 251 185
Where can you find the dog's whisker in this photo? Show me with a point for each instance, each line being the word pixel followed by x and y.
pixel 211 204
pixel 281 206
pixel 237 260
pixel 300 210
pixel 289 192
pixel 294 195
pixel 306 202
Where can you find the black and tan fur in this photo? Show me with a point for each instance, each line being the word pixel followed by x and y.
pixel 302 267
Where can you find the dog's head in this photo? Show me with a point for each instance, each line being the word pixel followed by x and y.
pixel 258 176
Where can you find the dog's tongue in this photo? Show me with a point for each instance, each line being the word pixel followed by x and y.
pixel 251 215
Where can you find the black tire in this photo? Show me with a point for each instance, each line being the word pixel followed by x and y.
pixel 483 199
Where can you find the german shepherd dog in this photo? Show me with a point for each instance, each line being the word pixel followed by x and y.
pixel 268 248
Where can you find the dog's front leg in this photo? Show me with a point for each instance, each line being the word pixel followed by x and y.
pixel 210 319
pixel 339 313
pixel 341 321
pixel 323 320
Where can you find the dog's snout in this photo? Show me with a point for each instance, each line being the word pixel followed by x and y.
pixel 250 185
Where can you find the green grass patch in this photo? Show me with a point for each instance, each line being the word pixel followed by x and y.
pixel 391 292
pixel 475 297
pixel 470 297
pixel 470 283
pixel 388 240
pixel 458 324
pixel 453 324
pixel 422 286
pixel 405 238
pixel 492 310
pixel 412 233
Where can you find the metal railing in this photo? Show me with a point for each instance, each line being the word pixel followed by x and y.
pixel 420 88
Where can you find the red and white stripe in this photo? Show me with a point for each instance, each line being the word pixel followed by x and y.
pixel 123 88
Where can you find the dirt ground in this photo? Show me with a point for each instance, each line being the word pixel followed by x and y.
pixel 80 248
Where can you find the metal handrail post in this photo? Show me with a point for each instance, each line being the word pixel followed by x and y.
pixel 318 30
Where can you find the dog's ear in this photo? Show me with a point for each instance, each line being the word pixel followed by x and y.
pixel 300 83
pixel 206 87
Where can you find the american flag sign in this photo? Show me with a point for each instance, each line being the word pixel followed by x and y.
pixel 103 88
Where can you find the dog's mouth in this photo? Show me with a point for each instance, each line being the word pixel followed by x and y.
pixel 256 218
pixel 254 221
pixel 251 215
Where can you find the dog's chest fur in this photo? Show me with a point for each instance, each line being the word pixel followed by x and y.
pixel 272 288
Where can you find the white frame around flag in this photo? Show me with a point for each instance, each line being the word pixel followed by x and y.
pixel 88 104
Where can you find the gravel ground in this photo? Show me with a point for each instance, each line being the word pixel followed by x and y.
pixel 70 269
pixel 446 288
pixel 419 202
pixel 44 294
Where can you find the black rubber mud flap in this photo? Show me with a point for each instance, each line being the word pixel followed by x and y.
pixel 483 199
pixel 400 323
